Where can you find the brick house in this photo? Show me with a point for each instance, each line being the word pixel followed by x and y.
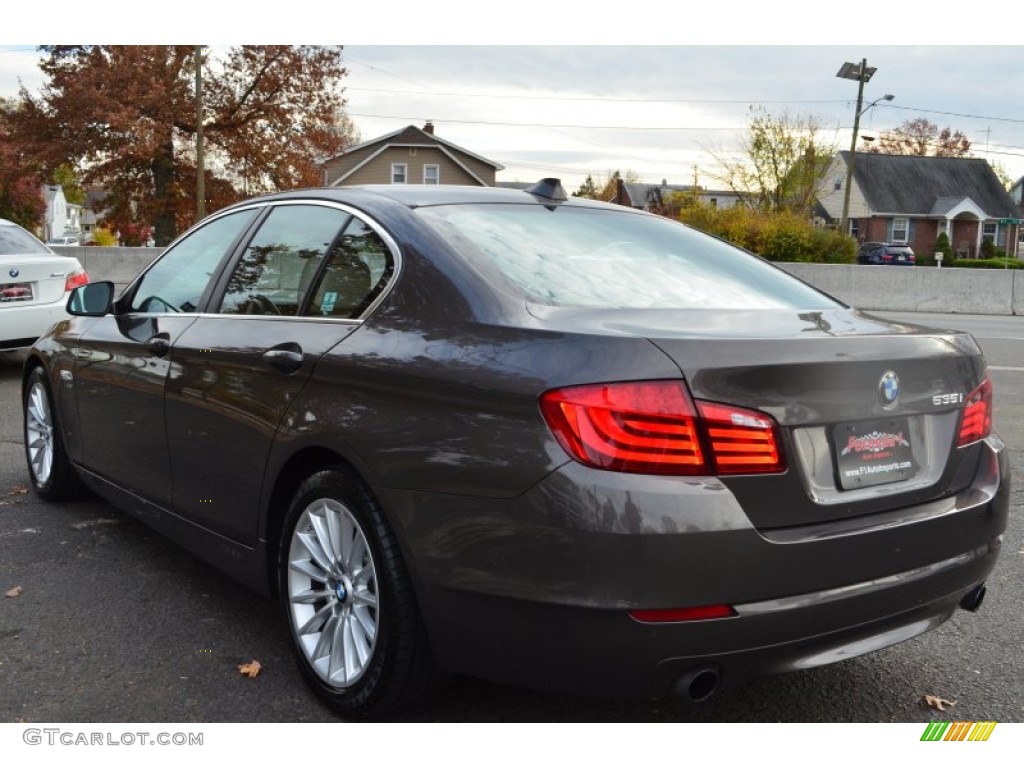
pixel 409 156
pixel 910 199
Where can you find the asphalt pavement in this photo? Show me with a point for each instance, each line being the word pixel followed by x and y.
pixel 114 623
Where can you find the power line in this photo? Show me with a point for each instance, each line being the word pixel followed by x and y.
pixel 596 98
pixel 550 125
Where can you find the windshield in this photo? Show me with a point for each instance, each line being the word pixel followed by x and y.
pixel 15 241
pixel 587 257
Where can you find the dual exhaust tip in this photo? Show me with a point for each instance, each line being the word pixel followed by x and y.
pixel 700 683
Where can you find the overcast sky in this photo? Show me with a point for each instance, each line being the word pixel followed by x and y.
pixel 657 110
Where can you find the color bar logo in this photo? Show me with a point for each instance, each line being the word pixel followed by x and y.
pixel 958 731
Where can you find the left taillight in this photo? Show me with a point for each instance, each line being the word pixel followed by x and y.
pixel 75 279
pixel 655 427
pixel 976 423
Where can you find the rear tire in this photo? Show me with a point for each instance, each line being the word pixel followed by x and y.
pixel 348 602
pixel 53 476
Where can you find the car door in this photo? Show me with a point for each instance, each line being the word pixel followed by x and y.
pixel 122 362
pixel 293 293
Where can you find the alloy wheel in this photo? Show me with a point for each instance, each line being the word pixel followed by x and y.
pixel 39 433
pixel 332 592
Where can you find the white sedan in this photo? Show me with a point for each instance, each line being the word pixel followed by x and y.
pixel 34 286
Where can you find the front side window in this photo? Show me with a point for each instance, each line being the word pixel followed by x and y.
pixel 399 173
pixel 282 260
pixel 431 174
pixel 583 257
pixel 900 229
pixel 178 280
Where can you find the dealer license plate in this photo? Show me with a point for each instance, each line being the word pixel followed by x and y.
pixel 873 452
pixel 15 292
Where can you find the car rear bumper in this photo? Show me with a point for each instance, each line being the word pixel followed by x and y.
pixel 537 590
pixel 20 326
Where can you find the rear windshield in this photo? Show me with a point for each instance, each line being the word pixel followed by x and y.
pixel 584 257
pixel 14 241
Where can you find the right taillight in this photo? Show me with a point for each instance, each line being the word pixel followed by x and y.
pixel 654 427
pixel 977 420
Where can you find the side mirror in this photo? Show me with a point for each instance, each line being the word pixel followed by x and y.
pixel 92 300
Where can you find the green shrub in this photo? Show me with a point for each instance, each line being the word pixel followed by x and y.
pixel 987 264
pixel 775 236
pixel 988 248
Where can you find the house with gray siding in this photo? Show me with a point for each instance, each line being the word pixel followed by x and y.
pixel 409 156
pixel 911 199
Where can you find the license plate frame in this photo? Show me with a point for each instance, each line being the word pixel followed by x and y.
pixel 873 452
pixel 11 293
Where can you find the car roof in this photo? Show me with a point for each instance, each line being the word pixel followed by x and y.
pixel 418 195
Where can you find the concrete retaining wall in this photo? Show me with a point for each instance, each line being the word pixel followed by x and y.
pixel 117 264
pixel 898 289
pixel 918 289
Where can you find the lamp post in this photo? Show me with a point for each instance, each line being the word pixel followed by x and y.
pixel 861 73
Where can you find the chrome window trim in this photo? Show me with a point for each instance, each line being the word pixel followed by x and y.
pixel 389 242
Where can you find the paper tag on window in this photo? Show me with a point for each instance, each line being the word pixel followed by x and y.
pixel 327 306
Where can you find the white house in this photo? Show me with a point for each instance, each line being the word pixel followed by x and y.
pixel 62 218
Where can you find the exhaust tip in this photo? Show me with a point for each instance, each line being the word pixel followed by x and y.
pixel 973 599
pixel 699 684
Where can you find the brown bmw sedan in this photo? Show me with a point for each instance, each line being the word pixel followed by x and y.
pixel 534 439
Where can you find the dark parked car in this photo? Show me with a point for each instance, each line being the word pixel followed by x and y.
pixel 886 254
pixel 539 440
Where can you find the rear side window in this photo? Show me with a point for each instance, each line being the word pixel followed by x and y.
pixel 14 241
pixel 282 260
pixel 586 257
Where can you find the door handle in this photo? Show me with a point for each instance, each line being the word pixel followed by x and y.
pixel 286 358
pixel 160 344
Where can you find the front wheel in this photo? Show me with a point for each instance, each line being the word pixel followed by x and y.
pixel 348 601
pixel 53 476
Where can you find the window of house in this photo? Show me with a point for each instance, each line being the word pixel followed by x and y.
pixel 399 173
pixel 838 183
pixel 855 229
pixel 431 174
pixel 943 227
pixel 989 230
pixel 900 230
pixel 714 202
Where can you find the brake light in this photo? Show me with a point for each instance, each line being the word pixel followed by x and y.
pixel 654 427
pixel 645 427
pixel 742 441
pixel 977 420
pixel 75 279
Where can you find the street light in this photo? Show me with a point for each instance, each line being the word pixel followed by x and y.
pixel 861 73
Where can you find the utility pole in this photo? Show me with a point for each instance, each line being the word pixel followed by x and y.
pixel 200 159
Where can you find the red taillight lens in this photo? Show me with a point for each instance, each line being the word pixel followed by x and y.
pixel 645 427
pixel 75 279
pixel 977 421
pixel 654 427
pixel 742 441
pixel 684 614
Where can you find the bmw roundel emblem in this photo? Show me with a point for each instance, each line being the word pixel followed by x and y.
pixel 14 272
pixel 889 388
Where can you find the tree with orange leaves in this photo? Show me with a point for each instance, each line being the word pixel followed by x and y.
pixel 126 117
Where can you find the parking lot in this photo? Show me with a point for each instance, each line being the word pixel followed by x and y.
pixel 114 623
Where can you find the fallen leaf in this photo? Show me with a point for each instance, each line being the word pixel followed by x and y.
pixel 18 490
pixel 251 669
pixel 13 592
pixel 937 703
